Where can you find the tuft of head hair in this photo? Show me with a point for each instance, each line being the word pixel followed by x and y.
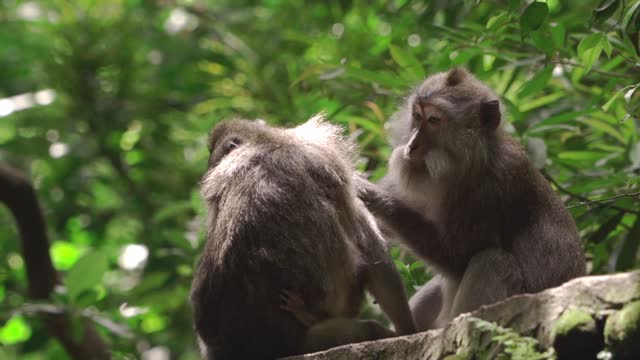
pixel 319 132
pixel 456 76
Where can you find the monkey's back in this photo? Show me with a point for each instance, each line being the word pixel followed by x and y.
pixel 280 225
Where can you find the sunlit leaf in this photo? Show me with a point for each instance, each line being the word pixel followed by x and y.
pixel 15 331
pixel 7 130
pixel 64 254
pixel 487 61
pixel 581 155
pixel 153 322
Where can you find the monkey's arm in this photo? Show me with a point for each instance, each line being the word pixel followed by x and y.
pixel 417 232
pixel 386 286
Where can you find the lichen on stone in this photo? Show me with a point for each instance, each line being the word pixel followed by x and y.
pixel 622 330
pixel 573 319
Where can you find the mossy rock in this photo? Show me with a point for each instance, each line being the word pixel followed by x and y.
pixel 576 336
pixel 622 332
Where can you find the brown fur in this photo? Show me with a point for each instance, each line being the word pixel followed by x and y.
pixel 282 215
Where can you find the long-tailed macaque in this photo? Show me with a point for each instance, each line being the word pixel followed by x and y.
pixel 283 214
pixel 464 196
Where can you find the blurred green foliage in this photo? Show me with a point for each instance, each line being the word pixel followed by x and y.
pixel 106 105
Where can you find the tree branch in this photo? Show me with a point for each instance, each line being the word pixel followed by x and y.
pixel 17 193
pixel 596 201
pixel 584 201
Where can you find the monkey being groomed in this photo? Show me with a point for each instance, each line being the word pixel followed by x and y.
pixel 283 214
pixel 464 196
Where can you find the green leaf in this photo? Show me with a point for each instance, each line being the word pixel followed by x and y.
pixel 86 273
pixel 563 118
pixel 631 20
pixel 497 21
pixel 606 45
pixel 607 228
pixel 558 34
pixel 407 62
pixel 536 83
pixel 581 155
pixel 606 106
pixel 541 40
pixel 605 10
pixel 628 253
pixel 64 254
pixel 541 101
pixel 462 57
pixel 416 266
pixel 533 17
pixel 590 48
pixel 7 131
pixel 15 331
pixel 487 61
pixel 171 210
pixel 605 127
pixel 384 79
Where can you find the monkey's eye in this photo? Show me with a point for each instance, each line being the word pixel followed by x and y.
pixel 417 117
pixel 231 144
pixel 433 119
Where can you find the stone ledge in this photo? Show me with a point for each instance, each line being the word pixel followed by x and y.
pixel 532 315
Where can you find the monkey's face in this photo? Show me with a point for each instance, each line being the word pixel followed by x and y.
pixel 450 115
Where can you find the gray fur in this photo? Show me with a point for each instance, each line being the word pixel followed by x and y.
pixel 480 214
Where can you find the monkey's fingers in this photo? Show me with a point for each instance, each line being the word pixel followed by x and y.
pixel 292 300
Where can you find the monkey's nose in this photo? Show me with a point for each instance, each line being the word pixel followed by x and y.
pixel 412 145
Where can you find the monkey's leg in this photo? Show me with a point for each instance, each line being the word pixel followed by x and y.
pixel 341 331
pixel 427 303
pixel 492 275
pixel 385 284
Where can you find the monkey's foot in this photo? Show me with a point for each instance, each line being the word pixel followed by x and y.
pixel 293 303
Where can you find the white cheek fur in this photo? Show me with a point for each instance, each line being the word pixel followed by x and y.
pixel 437 163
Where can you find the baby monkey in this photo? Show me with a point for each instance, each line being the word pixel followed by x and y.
pixel 464 196
pixel 283 213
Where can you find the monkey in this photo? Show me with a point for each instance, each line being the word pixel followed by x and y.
pixel 463 195
pixel 283 213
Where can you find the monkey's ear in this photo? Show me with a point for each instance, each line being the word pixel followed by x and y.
pixel 456 75
pixel 490 114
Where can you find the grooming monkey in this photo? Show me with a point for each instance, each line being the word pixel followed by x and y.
pixel 283 213
pixel 463 195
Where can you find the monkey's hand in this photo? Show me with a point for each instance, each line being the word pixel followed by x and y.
pixel 294 304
